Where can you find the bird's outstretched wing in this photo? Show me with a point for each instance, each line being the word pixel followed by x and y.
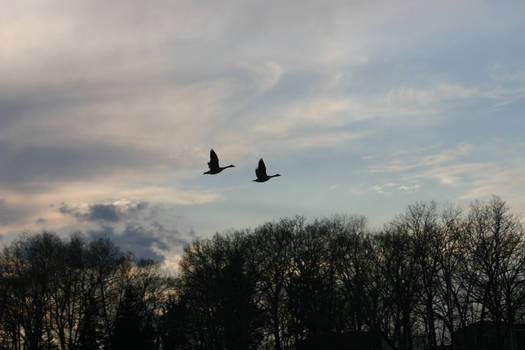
pixel 214 160
pixel 261 169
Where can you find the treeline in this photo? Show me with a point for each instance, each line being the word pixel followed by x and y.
pixel 424 275
pixel 74 294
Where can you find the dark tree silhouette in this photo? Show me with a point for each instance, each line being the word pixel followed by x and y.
pixel 419 281
pixel 220 294
pixel 131 329
pixel 176 333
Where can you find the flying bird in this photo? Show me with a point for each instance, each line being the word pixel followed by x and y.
pixel 260 172
pixel 213 164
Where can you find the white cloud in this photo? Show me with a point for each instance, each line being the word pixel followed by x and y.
pixel 427 96
pixel 331 109
pixel 417 161
pixel 379 189
pixel 448 180
pixel 409 188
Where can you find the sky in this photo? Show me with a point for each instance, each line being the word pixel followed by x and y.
pixel 108 111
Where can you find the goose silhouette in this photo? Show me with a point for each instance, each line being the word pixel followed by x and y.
pixel 260 172
pixel 213 164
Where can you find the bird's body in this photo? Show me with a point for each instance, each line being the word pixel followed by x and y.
pixel 260 172
pixel 213 164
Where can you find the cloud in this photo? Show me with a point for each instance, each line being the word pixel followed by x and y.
pixel 31 203
pixel 147 239
pixel 108 101
pixel 112 213
pixel 8 214
pixel 509 76
pixel 462 168
pixel 138 227
pixel 409 188
pixel 327 114
pixel 440 92
pixel 143 242
pixel 389 188
pixel 405 161
pixel 266 76
pixel 47 164
pixel 379 189
pixel 15 213
pixel 158 82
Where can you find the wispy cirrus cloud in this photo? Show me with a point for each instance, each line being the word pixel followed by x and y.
pixel 420 161
pixel 455 167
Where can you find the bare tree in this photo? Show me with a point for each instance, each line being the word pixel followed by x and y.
pixel 403 283
pixel 271 253
pixel 418 280
pixel 219 294
pixel 498 258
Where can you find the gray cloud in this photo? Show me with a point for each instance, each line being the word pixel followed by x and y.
pixel 117 77
pixel 148 242
pixel 109 213
pixel 23 166
pixel 135 227
pixel 103 213
pixel 8 214
pixel 10 111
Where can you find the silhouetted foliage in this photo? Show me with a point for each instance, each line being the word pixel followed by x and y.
pixel 418 281
pixel 219 294
pixel 175 332
pixel 65 294
pixel 131 328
